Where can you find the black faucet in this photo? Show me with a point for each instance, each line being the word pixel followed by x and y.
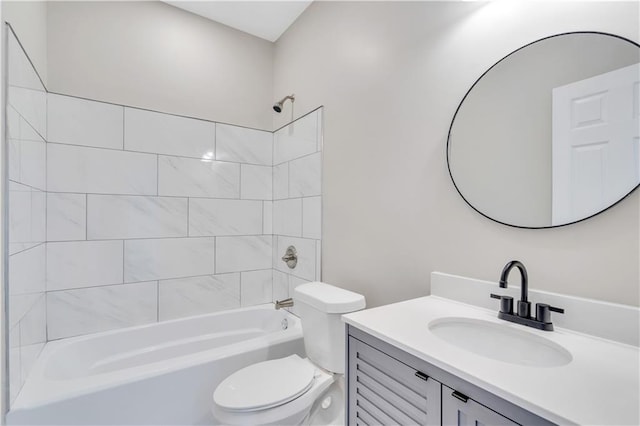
pixel 542 319
pixel 524 306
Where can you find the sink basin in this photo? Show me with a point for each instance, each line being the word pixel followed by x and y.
pixel 500 342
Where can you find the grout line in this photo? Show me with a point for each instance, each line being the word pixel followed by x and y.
pixel 298 158
pixel 161 112
pixel 188 213
pixel 123 128
pixel 154 153
pixel 27 249
pixel 44 140
pixel 158 175
pixel 104 194
pixel 191 237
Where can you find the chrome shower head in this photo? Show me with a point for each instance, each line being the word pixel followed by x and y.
pixel 277 107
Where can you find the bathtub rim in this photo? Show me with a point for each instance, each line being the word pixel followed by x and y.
pixel 39 390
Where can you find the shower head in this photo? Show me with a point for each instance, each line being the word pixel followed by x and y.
pixel 277 107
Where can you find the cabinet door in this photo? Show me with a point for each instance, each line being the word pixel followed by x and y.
pixel 385 391
pixel 456 411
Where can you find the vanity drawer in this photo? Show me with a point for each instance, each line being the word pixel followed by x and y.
pixel 385 391
pixel 459 410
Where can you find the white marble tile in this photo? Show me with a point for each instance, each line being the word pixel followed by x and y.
pixel 78 121
pixel 296 140
pixel 305 176
pixel 66 217
pixel 312 217
pixel 33 168
pixel 27 215
pixel 280 285
pixel 146 260
pixel 209 217
pixel 255 182
pixel 267 217
pixel 15 373
pixel 287 217
pixel 28 357
pixel 187 177
pixel 83 264
pixel 13 159
pixel 281 181
pixel 306 251
pixel 33 326
pixel 234 254
pixel 26 130
pixel 100 171
pixel 90 310
pixel 125 217
pixel 15 248
pixel 31 105
pixel 243 145
pixel 150 131
pixel 198 295
pixel 256 287
pixel 21 304
pixel 27 271
pixel 27 153
pixel 20 72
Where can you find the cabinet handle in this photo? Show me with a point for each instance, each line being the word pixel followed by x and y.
pixel 422 376
pixel 462 397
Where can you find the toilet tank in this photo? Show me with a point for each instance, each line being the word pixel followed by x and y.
pixel 321 307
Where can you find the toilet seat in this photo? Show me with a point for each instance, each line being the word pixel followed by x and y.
pixel 265 384
pixel 291 410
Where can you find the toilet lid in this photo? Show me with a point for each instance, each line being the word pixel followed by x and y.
pixel 265 384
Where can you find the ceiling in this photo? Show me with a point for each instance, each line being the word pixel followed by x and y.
pixel 265 19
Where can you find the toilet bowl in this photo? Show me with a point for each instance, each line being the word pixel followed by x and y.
pixel 275 392
pixel 295 390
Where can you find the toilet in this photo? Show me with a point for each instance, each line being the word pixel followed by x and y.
pixel 294 390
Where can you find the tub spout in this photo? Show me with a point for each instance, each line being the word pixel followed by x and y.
pixel 285 303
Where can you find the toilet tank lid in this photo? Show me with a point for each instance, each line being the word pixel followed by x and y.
pixel 328 298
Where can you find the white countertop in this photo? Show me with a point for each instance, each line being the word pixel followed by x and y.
pixel 600 386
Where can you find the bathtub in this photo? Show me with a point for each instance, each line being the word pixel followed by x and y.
pixel 162 373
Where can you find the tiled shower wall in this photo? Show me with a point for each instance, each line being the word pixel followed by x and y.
pixel 297 205
pixel 121 216
pixel 26 149
pixel 152 216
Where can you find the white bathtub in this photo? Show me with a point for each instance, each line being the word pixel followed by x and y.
pixel 162 373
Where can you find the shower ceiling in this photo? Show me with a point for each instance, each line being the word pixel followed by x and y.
pixel 264 19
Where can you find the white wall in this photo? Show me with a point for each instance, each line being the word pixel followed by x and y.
pixel 29 21
pixel 151 55
pixel 390 76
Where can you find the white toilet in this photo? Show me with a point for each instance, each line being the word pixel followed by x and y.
pixel 295 390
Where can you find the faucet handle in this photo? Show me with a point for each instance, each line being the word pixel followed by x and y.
pixel 506 303
pixel 543 312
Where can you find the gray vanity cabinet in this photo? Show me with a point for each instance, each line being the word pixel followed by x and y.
pixel 385 391
pixel 387 386
pixel 462 411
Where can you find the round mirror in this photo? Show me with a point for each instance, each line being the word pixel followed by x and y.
pixel 550 134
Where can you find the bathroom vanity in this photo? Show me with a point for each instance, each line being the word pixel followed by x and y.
pixel 435 360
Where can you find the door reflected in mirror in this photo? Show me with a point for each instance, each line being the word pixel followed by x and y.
pixel 550 135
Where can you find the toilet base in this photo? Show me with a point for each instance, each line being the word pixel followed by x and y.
pixel 329 409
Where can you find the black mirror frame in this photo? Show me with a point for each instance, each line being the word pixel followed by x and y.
pixel 467 94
